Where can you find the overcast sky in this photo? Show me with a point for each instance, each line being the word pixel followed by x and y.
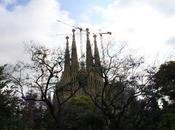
pixel 146 26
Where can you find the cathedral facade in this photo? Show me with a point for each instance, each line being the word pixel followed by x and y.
pixel 84 75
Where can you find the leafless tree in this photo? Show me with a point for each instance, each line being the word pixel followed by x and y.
pixel 42 75
pixel 124 82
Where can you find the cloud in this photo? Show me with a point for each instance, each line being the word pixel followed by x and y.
pixel 171 41
pixel 141 25
pixel 165 6
pixel 35 21
pixel 8 2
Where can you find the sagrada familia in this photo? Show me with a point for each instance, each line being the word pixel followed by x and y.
pixel 82 74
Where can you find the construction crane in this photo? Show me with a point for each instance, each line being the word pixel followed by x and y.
pixel 76 28
pixel 102 47
pixel 81 40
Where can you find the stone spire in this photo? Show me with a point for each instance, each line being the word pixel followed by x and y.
pixel 74 58
pixel 66 72
pixel 96 53
pixel 96 56
pixel 89 58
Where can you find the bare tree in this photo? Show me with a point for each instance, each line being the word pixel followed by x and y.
pixel 124 82
pixel 42 75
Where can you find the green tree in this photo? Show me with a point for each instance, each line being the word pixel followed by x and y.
pixel 9 103
pixel 80 113
pixel 165 85
pixel 165 79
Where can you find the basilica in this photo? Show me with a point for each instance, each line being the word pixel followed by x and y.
pixel 83 74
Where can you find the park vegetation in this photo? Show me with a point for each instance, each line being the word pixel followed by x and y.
pixel 133 97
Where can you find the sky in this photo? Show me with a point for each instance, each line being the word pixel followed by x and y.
pixel 146 27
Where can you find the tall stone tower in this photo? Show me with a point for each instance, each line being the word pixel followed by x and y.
pixel 73 78
pixel 66 77
pixel 89 57
pixel 74 57
pixel 91 75
pixel 97 63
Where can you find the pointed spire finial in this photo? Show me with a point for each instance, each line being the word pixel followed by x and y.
pixel 67 41
pixel 87 31
pixel 95 38
pixel 73 31
pixel 73 38
pixel 67 37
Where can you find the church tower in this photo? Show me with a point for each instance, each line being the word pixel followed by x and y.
pixel 74 63
pixel 97 63
pixel 90 76
pixel 89 57
pixel 74 57
pixel 98 80
pixel 66 73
